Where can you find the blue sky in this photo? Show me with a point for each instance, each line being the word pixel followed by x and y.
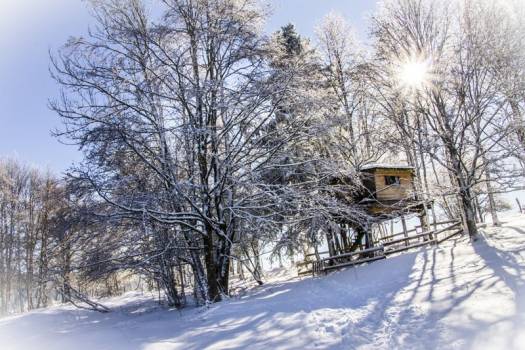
pixel 29 28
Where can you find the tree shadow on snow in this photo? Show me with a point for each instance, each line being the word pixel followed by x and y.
pixel 400 302
pixel 418 329
pixel 303 314
pixel 509 270
pixel 418 322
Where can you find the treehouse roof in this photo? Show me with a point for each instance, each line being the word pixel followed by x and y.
pixel 377 166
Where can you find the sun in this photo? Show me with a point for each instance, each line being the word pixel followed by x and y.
pixel 413 73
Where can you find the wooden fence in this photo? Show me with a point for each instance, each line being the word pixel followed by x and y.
pixel 383 247
pixel 422 239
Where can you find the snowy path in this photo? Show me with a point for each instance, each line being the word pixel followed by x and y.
pixel 456 295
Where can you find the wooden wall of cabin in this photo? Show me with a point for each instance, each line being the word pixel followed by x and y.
pixel 384 192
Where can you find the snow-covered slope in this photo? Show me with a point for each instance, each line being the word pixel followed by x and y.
pixel 456 295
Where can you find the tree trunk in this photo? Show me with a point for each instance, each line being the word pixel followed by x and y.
pixel 490 193
pixel 469 215
pixel 466 200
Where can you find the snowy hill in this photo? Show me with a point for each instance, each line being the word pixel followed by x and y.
pixel 456 295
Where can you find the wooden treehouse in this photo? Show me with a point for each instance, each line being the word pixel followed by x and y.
pixel 388 193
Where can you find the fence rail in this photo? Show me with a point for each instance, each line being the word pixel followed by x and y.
pixel 342 260
pixel 435 224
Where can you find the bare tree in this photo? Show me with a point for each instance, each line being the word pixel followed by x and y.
pixel 441 65
pixel 174 119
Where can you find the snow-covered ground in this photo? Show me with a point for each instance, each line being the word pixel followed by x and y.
pixel 455 296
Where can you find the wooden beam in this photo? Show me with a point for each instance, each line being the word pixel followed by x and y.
pixel 388 252
pixel 357 252
pixel 404 226
pixel 434 215
pixel 450 236
pixel 414 229
pixel 355 262
pixel 419 235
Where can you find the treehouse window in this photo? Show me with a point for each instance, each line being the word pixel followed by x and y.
pixel 392 181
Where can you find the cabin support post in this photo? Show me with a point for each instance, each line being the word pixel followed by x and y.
pixel 369 239
pixel 434 216
pixel 338 247
pixel 423 219
pixel 427 216
pixel 405 233
pixel 344 238
pixel 330 243
pixel 316 252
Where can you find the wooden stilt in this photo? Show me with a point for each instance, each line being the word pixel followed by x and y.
pixel 404 223
pixel 434 216
pixel 330 243
pixel 338 247
pixel 344 238
pixel 369 236
pixel 423 219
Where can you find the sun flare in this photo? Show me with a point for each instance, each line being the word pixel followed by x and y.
pixel 414 73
